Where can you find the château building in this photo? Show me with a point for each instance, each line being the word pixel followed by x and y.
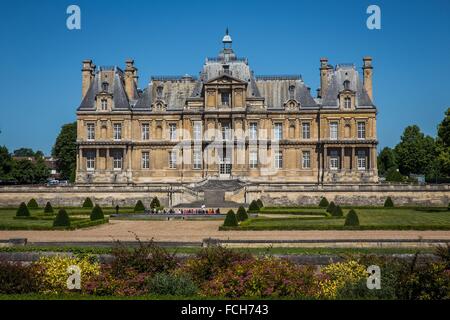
pixel 226 123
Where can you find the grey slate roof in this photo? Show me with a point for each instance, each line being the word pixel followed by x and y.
pixel 340 74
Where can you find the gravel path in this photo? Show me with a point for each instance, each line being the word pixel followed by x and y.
pixel 198 230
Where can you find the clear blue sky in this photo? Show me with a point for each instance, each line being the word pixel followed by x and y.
pixel 40 58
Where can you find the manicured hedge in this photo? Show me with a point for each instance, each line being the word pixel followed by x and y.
pixel 253 208
pixel 62 219
pixel 388 203
pixel 23 211
pixel 323 203
pixel 331 207
pixel 351 220
pixel 48 207
pixel 88 203
pixel 260 203
pixel 97 213
pixel 139 207
pixel 32 204
pixel 230 220
pixel 241 214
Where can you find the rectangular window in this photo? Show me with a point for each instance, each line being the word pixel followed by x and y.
pixel 145 161
pixel 347 103
pixel 333 130
pixel 278 160
pixel 278 131
pixel 306 161
pixel 225 98
pixel 117 131
pixel 117 160
pixel 104 104
pixel 306 130
pixel 334 160
pixel 197 159
pixel 253 134
pixel 226 131
pixel 198 132
pixel 90 160
pixel 253 160
pixel 361 160
pixel 172 131
pixel 172 159
pixel 90 131
pixel 361 130
pixel 145 131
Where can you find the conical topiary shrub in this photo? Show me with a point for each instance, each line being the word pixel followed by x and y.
pixel 88 203
pixel 351 220
pixel 48 207
pixel 323 203
pixel 253 207
pixel 260 203
pixel 388 203
pixel 230 220
pixel 62 219
pixel 139 207
pixel 155 203
pixel 32 204
pixel 23 211
pixel 331 207
pixel 97 213
pixel 241 214
pixel 337 212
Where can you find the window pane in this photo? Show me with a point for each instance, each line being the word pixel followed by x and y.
pixel 145 160
pixel 333 130
pixel 306 159
pixel 361 130
pixel 145 131
pixel 306 130
pixel 117 131
pixel 197 159
pixel 278 131
pixel 253 159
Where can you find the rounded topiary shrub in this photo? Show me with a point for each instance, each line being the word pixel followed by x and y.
pixel 230 220
pixel 388 203
pixel 48 207
pixel 253 207
pixel 241 214
pixel 331 207
pixel 352 220
pixel 323 203
pixel 139 207
pixel 23 211
pixel 155 203
pixel 97 213
pixel 260 203
pixel 88 203
pixel 337 212
pixel 32 204
pixel 62 219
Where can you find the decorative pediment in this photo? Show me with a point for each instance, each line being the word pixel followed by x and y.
pixel 159 105
pixel 291 104
pixel 225 79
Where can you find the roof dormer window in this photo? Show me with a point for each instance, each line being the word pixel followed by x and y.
pixel 347 85
pixel 291 91
pixel 159 91
pixel 105 86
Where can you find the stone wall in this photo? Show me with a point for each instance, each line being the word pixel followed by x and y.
pixel 270 194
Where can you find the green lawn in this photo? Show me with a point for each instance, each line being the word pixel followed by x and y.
pixel 370 219
pixel 44 221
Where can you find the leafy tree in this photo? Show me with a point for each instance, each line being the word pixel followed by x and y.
pixel 88 203
pixel 443 147
pixel 139 207
pixel 6 163
pixel 241 214
pixel 388 203
pixel 323 202
pixel 230 220
pixel 97 213
pixel 386 160
pixel 24 152
pixel 27 172
pixel 415 152
pixel 351 220
pixel 48 207
pixel 32 204
pixel 65 151
pixel 23 211
pixel 62 219
pixel 394 175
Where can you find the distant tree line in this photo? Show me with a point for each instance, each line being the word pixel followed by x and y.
pixel 417 153
pixel 26 168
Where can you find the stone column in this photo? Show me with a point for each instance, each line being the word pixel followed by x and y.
pixel 97 158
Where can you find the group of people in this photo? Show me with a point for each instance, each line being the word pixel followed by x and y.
pixel 186 211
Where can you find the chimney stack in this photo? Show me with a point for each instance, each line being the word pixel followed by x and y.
pixel 368 72
pixel 131 79
pixel 87 75
pixel 324 75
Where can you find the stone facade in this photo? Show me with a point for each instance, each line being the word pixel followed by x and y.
pixel 227 123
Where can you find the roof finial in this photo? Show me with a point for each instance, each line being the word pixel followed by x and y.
pixel 227 39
